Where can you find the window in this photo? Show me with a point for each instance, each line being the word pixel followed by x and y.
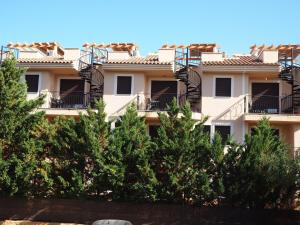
pixel 71 85
pixel 124 85
pixel 207 129
pixel 72 94
pixel 223 87
pixel 265 98
pixel 32 82
pixel 224 132
pixel 153 131
pixel 162 94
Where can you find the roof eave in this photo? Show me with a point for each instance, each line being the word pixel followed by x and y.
pixel 135 67
pixel 243 68
pixel 47 65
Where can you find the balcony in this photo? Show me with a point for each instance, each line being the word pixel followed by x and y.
pixel 277 108
pixel 149 105
pixel 264 104
pixel 66 100
pixel 157 102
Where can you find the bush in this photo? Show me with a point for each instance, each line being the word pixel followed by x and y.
pixel 185 160
pixel 260 173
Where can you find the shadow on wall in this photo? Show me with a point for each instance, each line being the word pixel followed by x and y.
pixel 88 211
pixel 234 111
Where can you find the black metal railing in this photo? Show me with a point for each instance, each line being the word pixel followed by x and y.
pixel 67 100
pixel 264 104
pixel 157 102
pixel 187 57
pixel 94 56
pixel 6 53
pixel 287 103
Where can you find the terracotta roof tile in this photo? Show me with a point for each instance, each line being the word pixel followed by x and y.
pixel 148 60
pixel 45 60
pixel 238 61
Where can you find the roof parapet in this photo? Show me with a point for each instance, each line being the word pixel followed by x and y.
pixel 131 48
pixel 47 48
pixel 290 50
pixel 210 47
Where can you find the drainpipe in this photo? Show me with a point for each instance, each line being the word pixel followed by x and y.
pixel 187 72
pixel 293 82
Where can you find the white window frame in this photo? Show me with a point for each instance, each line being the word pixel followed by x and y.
pixel 214 86
pixel 39 83
pixel 225 124
pixel 116 84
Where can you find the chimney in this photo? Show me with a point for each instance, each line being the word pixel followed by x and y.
pixel 71 53
pixel 118 55
pixel 166 54
pixel 212 56
pixel 53 52
pixel 269 56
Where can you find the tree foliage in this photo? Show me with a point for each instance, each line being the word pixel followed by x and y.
pixel 129 172
pixel 84 157
pixel 260 173
pixel 185 159
pixel 23 167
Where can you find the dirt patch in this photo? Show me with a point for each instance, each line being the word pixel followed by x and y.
pixel 28 222
pixel 88 211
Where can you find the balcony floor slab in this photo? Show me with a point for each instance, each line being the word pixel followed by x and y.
pixel 274 118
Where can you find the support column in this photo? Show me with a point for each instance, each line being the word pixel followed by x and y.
pixel 296 141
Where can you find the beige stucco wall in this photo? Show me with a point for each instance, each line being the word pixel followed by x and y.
pixel 225 110
pixel 116 104
pixel 295 135
pixel 269 56
pixel 34 54
pixel 45 84
pixel 49 83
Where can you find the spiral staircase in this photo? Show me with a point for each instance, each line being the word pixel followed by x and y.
pixel 289 69
pixel 89 70
pixel 185 71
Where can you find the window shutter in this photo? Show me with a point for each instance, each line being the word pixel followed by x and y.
pixel 124 84
pixel 32 82
pixel 223 87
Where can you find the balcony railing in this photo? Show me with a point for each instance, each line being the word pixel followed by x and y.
pixel 157 102
pixel 268 104
pixel 258 104
pixel 66 100
pixel 264 104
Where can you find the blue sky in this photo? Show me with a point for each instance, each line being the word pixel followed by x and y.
pixel 233 24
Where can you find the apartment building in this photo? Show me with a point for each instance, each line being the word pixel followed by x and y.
pixel 235 92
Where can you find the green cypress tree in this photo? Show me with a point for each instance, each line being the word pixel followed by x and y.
pixel 68 159
pixel 183 158
pixel 128 161
pixel 94 131
pixel 22 171
pixel 261 173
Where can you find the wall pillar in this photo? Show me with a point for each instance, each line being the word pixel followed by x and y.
pixel 296 141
